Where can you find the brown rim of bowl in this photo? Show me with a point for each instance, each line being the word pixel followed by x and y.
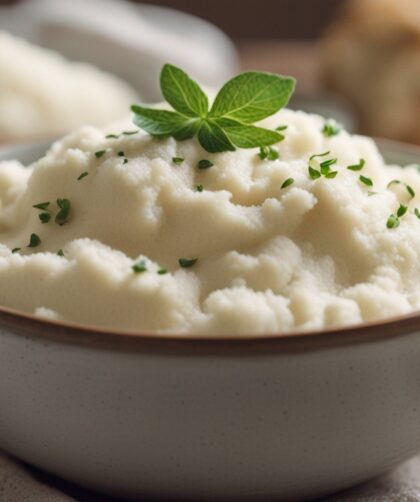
pixel 31 326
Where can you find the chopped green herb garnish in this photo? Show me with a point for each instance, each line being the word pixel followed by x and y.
pixel 287 183
pixel 162 271
pixel 402 210
pixel 129 133
pixel 112 136
pixel 410 191
pixel 393 182
pixel 42 205
pixel 417 213
pixel 60 252
pixel 34 241
pixel 281 128
pixel 204 164
pixel 121 154
pixel 177 160
pixel 228 124
pixel 331 129
pixel 15 250
pixel 199 188
pixel 125 161
pixel 100 153
pixel 63 214
pixel 187 262
pixel 324 167
pixel 314 174
pixel 83 175
pixel 315 155
pixel 367 181
pixel 393 221
pixel 139 267
pixel 268 153
pixel 44 217
pixel 357 167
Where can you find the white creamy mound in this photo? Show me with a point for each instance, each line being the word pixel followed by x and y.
pixel 313 255
pixel 43 94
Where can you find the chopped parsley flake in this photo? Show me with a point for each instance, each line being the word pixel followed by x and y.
pixel 393 182
pixel 139 267
pixel 324 167
pixel 100 153
pixel 129 133
pixel 177 160
pixel 112 136
pixel 287 183
pixel 314 174
pixel 199 188
pixel 42 205
pixel 402 210
pixel 34 241
pixel 331 129
pixel 44 217
pixel 162 271
pixel 125 161
pixel 268 153
pixel 410 191
pixel 315 155
pixel 63 214
pixel 15 250
pixel 357 167
pixel 187 262
pixel 204 164
pixel 83 175
pixel 60 252
pixel 281 128
pixel 367 181
pixel 417 213
pixel 393 221
pixel 121 154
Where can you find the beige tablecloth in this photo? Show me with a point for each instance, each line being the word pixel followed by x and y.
pixel 21 484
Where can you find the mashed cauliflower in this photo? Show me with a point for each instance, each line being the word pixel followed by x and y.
pixel 314 254
pixel 42 94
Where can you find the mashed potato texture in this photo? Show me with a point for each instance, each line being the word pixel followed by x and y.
pixel 42 94
pixel 315 254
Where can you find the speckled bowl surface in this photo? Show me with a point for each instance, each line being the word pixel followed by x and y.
pixel 274 418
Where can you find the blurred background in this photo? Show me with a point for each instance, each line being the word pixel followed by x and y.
pixel 357 61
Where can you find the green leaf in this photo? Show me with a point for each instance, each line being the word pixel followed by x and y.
pixel 287 183
pixel 162 122
pixel 182 93
pixel 393 221
pixel 367 181
pixel 187 262
pixel 63 214
pixel 213 139
pixel 252 96
pixel 357 167
pixel 402 210
pixel 44 217
pixel 314 174
pixel 268 153
pixel 34 241
pixel 204 164
pixel 139 267
pixel 42 205
pixel 245 135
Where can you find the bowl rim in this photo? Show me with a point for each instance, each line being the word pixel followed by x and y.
pixel 34 327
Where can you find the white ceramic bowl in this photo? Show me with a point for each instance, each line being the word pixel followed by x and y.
pixel 273 418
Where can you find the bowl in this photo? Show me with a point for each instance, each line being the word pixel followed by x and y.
pixel 278 417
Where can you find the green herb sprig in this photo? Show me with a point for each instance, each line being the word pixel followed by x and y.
pixel 228 124
pixel 324 167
